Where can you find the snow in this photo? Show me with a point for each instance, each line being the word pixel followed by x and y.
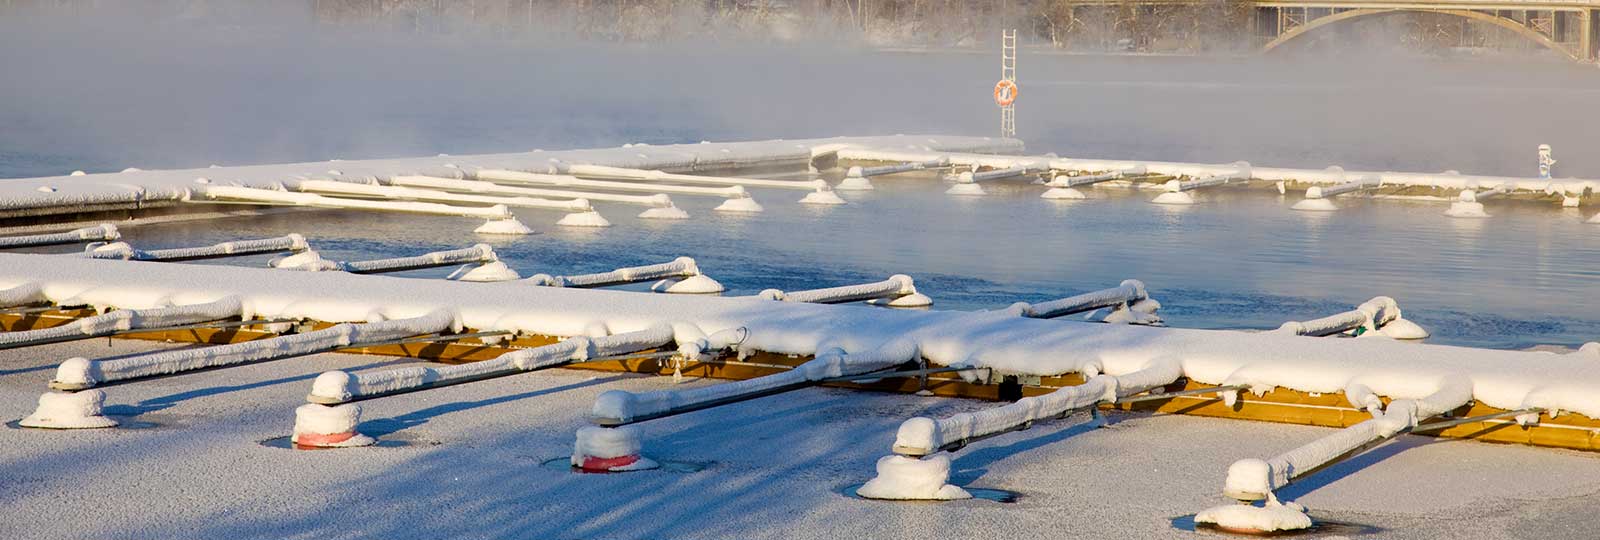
pixel 603 171
pixel 1403 329
pixel 1314 205
pixel 695 284
pixel 906 478
pixel 478 253
pixel 123 320
pixel 1066 194
pixel 1002 340
pixel 732 191
pixel 493 271
pixel 667 212
pixel 76 410
pixel 1370 315
pixel 1466 209
pixel 307 261
pixel 584 219
pixel 1174 198
pixel 78 372
pixel 966 188
pixel 505 226
pixel 578 204
pixel 104 231
pixel 742 204
pixel 234 193
pixel 853 181
pixel 121 250
pixel 21 295
pixel 471 186
pixel 679 267
pixel 613 449
pixel 1130 290
pixel 1272 516
pixel 896 286
pixel 823 197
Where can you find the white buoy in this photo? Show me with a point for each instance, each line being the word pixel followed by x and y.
pixel 904 478
pixel 610 450
pixel 1466 209
pixel 75 410
pixel 1174 198
pixel 855 181
pixel 1403 329
pixel 664 212
pixel 696 284
pixel 1314 205
pixel 488 272
pixel 965 185
pixel 1063 194
pixel 325 426
pixel 584 219
pixel 822 196
pixel 741 204
pixel 505 226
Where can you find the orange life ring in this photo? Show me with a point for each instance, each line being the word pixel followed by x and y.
pixel 1005 92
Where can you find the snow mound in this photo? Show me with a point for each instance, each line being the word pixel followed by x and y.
pixel 855 183
pixel 1173 197
pixel 1273 516
pixel 665 212
pixel 1466 209
pixel 328 426
pixel 1403 329
pixel 610 449
pixel 966 188
pixel 494 271
pixel 913 300
pixel 584 219
pixel 904 478
pixel 507 226
pixel 822 196
pixel 1063 194
pixel 741 204
pixel 76 410
pixel 696 284
pixel 1314 205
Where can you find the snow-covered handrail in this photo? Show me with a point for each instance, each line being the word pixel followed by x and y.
pixel 602 171
pixel 427 195
pixel 896 287
pixel 236 193
pixel 1370 315
pixel 679 267
pixel 81 373
pixel 1128 292
pixel 1255 479
pixel 659 200
pixel 922 436
pixel 498 175
pixel 121 250
pixel 103 231
pixel 124 321
pixel 1067 181
pixel 620 407
pixel 479 253
pixel 22 295
pixel 335 387
pixel 868 172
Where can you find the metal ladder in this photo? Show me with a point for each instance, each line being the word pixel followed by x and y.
pixel 1008 71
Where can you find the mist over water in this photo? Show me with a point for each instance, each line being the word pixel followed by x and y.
pixel 102 94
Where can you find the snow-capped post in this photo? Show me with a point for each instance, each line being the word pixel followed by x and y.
pixel 121 250
pixel 681 276
pixel 1178 190
pixel 912 474
pixel 102 232
pixel 1130 303
pixel 1064 187
pixel 1256 479
pixel 856 178
pixel 898 291
pixel 1468 204
pixel 1378 316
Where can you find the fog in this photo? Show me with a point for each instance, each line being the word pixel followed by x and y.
pixel 104 90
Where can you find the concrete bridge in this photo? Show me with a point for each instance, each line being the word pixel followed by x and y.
pixel 1564 26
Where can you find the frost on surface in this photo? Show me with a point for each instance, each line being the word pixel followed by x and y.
pixel 906 478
